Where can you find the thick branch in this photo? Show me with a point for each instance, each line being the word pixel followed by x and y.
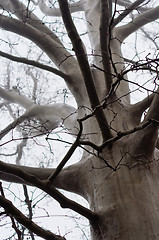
pixel 126 12
pixel 27 16
pixel 13 96
pixel 47 187
pixel 85 68
pixel 146 139
pixel 58 54
pixel 157 143
pixel 145 142
pixel 50 47
pixel 141 20
pixel 49 116
pixel 153 112
pixel 35 64
pixel 10 209
pixel 122 134
pixel 63 181
pixel 136 110
pixel 105 41
pixel 127 4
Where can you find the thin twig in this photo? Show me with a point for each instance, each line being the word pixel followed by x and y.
pixel 47 187
pixel 29 224
pixel 68 155
pixel 19 234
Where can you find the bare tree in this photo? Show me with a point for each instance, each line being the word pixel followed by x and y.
pixel 118 171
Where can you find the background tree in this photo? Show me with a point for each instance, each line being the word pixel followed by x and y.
pixel 118 171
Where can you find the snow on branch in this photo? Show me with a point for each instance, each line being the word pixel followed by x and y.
pixel 50 118
pixel 13 96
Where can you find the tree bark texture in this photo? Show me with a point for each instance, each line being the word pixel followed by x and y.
pixel 126 200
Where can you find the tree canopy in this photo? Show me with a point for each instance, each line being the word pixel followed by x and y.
pixel 85 69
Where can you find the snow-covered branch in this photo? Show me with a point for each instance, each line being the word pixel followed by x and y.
pixel 13 96
pixel 49 116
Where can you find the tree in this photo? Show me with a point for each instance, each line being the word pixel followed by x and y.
pixel 118 171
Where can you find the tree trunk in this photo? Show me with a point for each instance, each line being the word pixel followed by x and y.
pixel 126 200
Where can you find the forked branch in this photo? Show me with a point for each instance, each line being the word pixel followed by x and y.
pixel 137 22
pixel 47 187
pixel 27 16
pixel 126 12
pixel 127 4
pixel 147 138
